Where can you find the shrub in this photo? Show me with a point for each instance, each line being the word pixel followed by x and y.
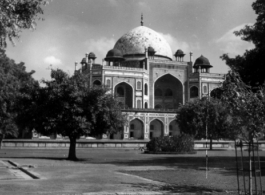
pixel 179 144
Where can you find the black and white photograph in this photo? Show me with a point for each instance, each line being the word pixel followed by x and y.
pixel 132 97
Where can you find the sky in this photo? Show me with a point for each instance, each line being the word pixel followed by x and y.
pixel 73 28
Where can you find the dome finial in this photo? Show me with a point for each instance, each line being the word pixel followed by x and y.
pixel 142 18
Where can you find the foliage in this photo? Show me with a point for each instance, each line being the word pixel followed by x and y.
pixel 13 81
pixel 103 112
pixel 67 106
pixel 250 66
pixel 243 89
pixel 180 144
pixel 245 108
pixel 195 116
pixel 16 15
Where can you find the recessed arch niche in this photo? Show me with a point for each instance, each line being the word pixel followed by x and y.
pixel 168 92
pixel 124 94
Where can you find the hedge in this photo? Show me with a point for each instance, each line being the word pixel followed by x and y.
pixel 176 144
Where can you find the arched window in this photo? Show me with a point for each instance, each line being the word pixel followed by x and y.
pixel 145 105
pixel 138 85
pixel 145 89
pixel 158 92
pixel 120 92
pixel 139 104
pixel 96 83
pixel 205 90
pixel 194 92
pixel 168 92
pixel 108 83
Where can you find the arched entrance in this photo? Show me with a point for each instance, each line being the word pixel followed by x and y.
pixel 136 129
pixel 156 129
pixel 124 93
pixel 194 92
pixel 173 128
pixel 168 92
pixel 96 83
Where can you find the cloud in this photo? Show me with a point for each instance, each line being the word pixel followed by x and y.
pixel 52 60
pixel 100 46
pixel 232 44
pixel 113 2
pixel 176 44
pixel 144 6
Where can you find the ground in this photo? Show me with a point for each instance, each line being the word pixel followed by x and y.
pixel 107 171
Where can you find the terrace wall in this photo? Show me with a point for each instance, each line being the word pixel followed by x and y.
pixel 130 144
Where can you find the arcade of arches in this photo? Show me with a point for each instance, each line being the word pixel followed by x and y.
pixel 156 129
pixel 168 92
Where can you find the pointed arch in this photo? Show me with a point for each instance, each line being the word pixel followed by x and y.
pixel 145 89
pixel 194 92
pixel 96 83
pixel 145 105
pixel 136 130
pixel 172 92
pixel 124 94
pixel 156 128
pixel 173 128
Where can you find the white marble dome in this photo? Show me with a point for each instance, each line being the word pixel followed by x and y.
pixel 135 42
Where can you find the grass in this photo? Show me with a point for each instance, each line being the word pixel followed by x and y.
pixel 95 171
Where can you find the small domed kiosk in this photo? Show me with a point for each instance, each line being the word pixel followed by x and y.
pixel 114 57
pixel 202 64
pixel 92 56
pixel 179 55
pixel 151 52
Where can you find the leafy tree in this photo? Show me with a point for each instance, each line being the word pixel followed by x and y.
pixel 245 107
pixel 201 115
pixel 67 106
pixel 250 65
pixel 13 80
pixel 16 15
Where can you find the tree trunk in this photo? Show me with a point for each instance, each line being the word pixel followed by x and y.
pixel 1 138
pixel 211 143
pixel 72 154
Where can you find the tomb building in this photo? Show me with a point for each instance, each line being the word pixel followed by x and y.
pixel 150 82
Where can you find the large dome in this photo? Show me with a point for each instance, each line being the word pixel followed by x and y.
pixel 135 42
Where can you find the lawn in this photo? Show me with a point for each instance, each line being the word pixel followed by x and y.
pixel 97 170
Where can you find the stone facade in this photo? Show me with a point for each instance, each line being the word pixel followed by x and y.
pixel 150 85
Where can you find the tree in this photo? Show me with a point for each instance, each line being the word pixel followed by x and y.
pixel 67 106
pixel 245 107
pixel 250 66
pixel 203 116
pixel 13 80
pixel 16 15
